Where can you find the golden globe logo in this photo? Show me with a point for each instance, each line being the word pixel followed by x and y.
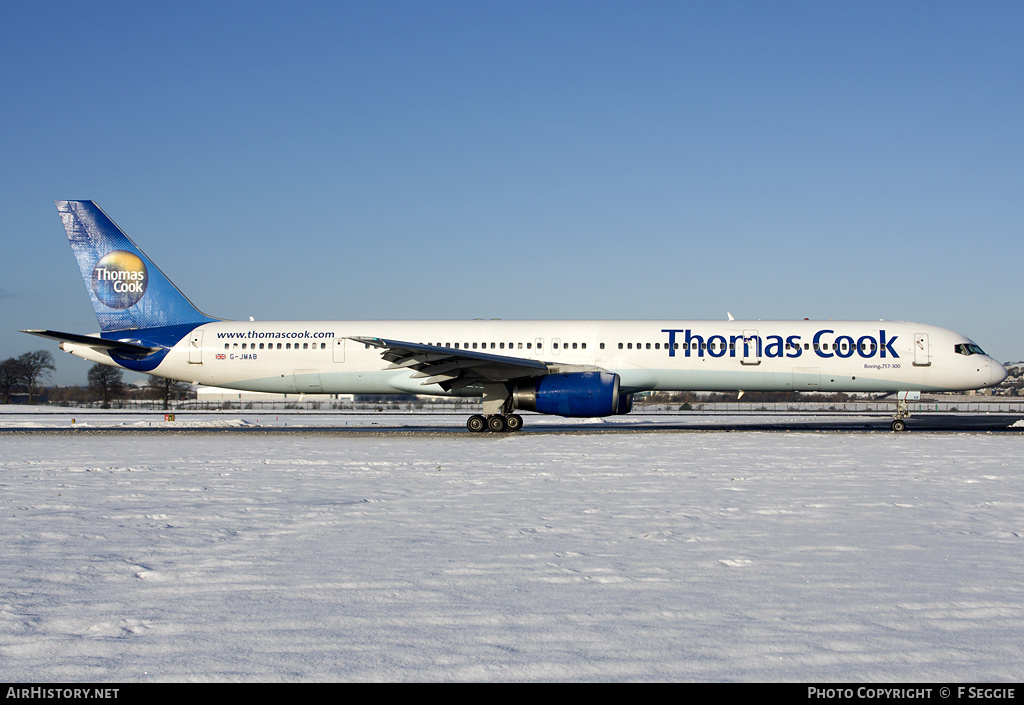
pixel 119 279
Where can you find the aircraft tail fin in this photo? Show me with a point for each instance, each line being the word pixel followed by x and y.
pixel 127 290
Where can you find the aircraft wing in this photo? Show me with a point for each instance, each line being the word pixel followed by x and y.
pixel 453 368
pixel 123 347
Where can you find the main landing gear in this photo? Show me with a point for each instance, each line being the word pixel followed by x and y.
pixel 497 407
pixel 496 423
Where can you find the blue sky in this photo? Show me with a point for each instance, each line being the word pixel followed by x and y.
pixel 363 160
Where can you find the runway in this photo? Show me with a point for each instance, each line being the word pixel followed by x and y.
pixel 419 423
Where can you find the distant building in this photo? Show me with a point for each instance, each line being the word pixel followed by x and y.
pixel 43 397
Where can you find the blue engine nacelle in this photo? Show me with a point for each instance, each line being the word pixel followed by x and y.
pixel 577 394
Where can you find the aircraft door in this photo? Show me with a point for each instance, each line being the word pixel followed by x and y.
pixel 195 347
pixel 922 353
pixel 751 348
pixel 339 350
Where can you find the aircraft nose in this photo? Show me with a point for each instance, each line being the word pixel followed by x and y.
pixel 998 373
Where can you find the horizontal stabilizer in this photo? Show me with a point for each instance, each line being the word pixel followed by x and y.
pixel 120 346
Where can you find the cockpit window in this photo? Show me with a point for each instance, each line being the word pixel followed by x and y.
pixel 967 349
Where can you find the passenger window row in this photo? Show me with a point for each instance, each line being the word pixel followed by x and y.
pixel 280 346
pixel 539 345
pixel 489 346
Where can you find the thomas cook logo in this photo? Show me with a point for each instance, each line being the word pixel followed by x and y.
pixel 119 279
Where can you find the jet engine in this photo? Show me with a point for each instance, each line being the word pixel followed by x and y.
pixel 575 394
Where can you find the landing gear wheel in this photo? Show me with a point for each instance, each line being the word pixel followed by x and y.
pixel 496 424
pixel 899 425
pixel 476 423
pixel 514 422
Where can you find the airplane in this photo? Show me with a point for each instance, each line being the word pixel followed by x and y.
pixel 578 369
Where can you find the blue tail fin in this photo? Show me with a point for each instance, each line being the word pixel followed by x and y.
pixel 128 291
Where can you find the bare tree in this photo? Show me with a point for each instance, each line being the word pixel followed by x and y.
pixel 10 377
pixel 105 381
pixel 35 366
pixel 168 389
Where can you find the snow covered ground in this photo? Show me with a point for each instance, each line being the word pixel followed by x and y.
pixel 698 556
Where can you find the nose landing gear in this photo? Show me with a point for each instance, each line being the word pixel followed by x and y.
pixel 899 424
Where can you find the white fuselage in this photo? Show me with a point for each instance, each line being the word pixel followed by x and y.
pixel 320 356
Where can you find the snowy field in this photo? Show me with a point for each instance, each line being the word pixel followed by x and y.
pixel 664 555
